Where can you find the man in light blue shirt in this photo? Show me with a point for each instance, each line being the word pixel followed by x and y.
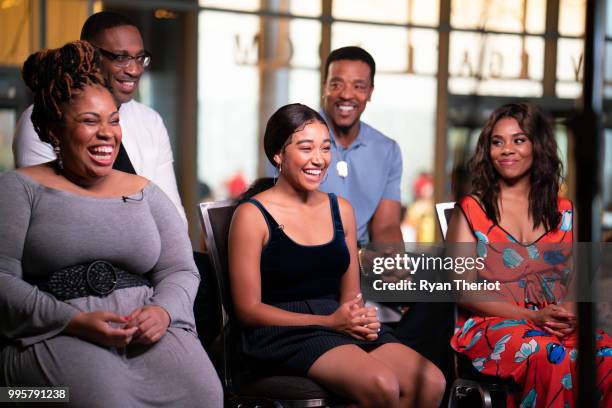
pixel 366 166
pixel 366 170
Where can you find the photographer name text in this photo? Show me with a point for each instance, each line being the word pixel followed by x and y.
pixel 425 285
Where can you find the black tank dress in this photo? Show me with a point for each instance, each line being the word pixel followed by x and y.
pixel 302 279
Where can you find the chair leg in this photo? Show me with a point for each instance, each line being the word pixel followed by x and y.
pixel 485 396
pixel 462 388
pixel 453 398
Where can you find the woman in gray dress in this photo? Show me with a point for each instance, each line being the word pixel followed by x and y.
pixel 97 280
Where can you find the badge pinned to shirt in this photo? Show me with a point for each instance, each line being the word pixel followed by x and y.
pixel 342 168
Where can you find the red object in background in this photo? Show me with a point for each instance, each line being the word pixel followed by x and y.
pixel 236 185
pixel 423 186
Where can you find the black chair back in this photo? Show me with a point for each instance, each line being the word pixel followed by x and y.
pixel 216 218
pixel 243 388
pixel 207 306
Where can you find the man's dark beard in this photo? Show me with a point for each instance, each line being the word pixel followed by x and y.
pixel 344 129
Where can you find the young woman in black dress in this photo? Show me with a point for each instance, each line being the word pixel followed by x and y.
pixel 295 280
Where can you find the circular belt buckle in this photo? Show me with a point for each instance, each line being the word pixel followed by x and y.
pixel 101 278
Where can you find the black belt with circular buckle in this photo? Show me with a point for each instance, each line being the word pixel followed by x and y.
pixel 99 278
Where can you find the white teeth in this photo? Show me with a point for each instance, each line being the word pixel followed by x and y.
pixel 346 108
pixel 313 172
pixel 102 149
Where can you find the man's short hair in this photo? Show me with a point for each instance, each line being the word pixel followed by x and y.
pixel 351 53
pixel 98 22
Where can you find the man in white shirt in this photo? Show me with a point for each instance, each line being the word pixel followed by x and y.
pixel 145 148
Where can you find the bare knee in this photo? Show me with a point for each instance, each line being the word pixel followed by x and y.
pixel 435 383
pixel 381 389
pixel 423 387
pixel 386 384
pixel 427 388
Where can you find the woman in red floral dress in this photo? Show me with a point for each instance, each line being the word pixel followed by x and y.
pixel 523 230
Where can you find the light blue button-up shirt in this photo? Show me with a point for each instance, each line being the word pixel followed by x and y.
pixel 374 174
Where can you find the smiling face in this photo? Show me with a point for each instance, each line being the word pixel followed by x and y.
pixel 121 40
pixel 511 151
pixel 90 134
pixel 348 89
pixel 305 159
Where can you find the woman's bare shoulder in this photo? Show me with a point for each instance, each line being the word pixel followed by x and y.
pixel 47 175
pixel 40 172
pixel 345 206
pixel 247 213
pixel 248 225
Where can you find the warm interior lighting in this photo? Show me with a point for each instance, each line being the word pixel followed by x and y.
pixel 6 4
pixel 163 14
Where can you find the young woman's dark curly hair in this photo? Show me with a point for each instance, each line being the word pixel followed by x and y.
pixel 55 76
pixel 545 172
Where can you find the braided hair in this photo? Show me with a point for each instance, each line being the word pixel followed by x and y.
pixel 54 76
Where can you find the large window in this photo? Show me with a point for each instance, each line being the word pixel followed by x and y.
pixel 228 97
pixel 496 64
pixel 253 62
pixel 250 65
pixel 498 47
pixel 258 55
pixel 25 27
pixel 501 50
pixel 404 100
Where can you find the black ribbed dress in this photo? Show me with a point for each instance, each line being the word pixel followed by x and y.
pixel 302 279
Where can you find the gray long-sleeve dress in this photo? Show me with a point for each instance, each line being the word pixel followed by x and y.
pixel 43 230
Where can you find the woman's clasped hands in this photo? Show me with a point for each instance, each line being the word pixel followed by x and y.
pixel 555 320
pixel 356 320
pixel 145 325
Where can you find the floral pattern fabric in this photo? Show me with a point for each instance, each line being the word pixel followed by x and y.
pixel 531 276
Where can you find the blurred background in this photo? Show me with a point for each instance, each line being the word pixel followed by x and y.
pixel 221 67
